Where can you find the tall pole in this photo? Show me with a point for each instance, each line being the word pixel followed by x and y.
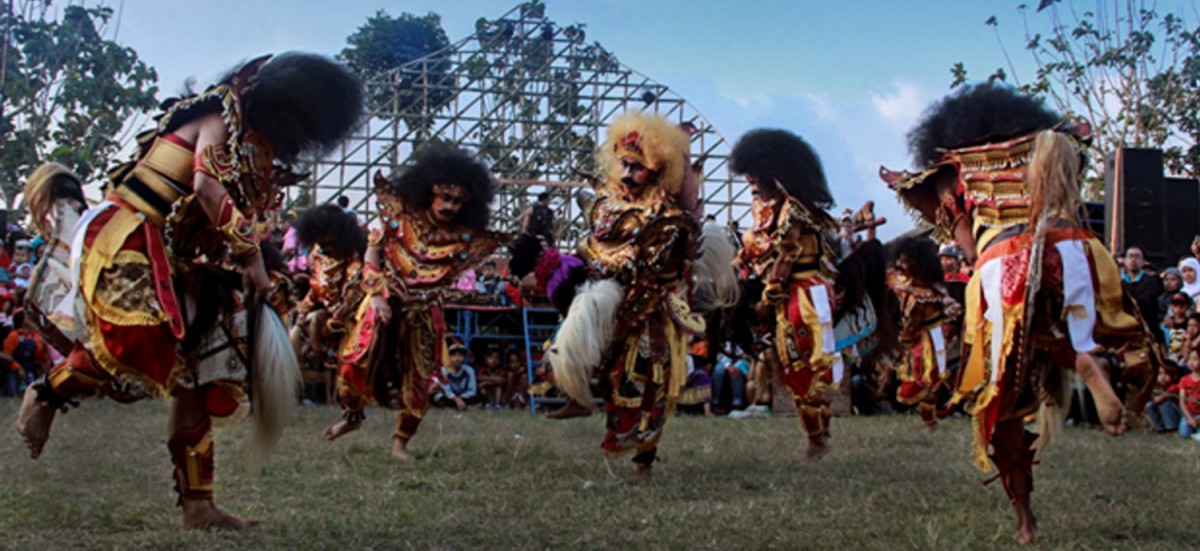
pixel 4 58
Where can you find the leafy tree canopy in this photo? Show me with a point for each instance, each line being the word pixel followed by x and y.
pixel 68 92
pixel 1131 70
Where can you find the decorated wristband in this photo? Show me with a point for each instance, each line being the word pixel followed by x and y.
pixel 372 280
pixel 238 229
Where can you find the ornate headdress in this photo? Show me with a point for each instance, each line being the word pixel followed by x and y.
pixel 983 134
pixel 651 141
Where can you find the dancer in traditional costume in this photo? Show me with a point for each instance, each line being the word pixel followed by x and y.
pixel 1000 175
pixel 924 307
pixel 648 266
pixel 187 214
pixel 435 218
pixel 337 246
pixel 794 250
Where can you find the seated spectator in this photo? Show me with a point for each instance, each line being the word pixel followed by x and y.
pixel 27 351
pixel 1189 398
pixel 1172 282
pixel 1189 267
pixel 518 379
pixel 698 387
pixel 1175 327
pixel 489 283
pixel 22 263
pixel 455 384
pixel 492 380
pixel 1163 408
pixel 1192 336
pixel 733 370
pixel 466 281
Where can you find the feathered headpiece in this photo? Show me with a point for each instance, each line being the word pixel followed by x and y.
pixel 651 141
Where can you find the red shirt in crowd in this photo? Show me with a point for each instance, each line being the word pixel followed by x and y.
pixel 1189 387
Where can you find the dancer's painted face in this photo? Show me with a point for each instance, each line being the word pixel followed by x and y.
pixel 448 199
pixel 635 176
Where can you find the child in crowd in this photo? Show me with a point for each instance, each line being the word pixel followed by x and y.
pixel 26 350
pixel 1175 327
pixel 1163 408
pixel 455 384
pixel 1192 338
pixel 1189 398
pixel 518 380
pixel 492 380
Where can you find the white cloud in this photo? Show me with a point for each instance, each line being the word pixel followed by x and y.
pixel 901 104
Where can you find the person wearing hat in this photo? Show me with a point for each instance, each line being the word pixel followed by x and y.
pixel 1172 282
pixel 456 384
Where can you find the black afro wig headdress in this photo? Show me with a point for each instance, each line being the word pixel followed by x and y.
pixel 330 226
pixel 974 115
pixel 772 155
pixel 440 163
pixel 305 104
pixel 923 262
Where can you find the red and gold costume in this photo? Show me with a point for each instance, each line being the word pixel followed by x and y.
pixel 645 244
pixel 786 250
pixel 152 236
pixel 335 292
pixel 420 257
pixel 922 362
pixel 1045 294
pixel 641 246
pixel 128 265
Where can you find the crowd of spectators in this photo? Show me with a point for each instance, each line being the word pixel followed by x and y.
pixel 1168 300
pixel 23 356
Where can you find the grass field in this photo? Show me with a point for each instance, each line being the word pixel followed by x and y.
pixel 506 480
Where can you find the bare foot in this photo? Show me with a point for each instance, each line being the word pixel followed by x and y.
pixel 341 428
pixel 33 422
pixel 400 450
pixel 818 446
pixel 572 409
pixel 930 429
pixel 203 513
pixel 1108 407
pixel 1026 523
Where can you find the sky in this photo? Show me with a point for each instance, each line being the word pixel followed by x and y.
pixel 849 76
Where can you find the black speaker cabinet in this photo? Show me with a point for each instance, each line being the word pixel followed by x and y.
pixel 1182 200
pixel 1134 206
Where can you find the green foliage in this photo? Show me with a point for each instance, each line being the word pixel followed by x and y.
pixel 1130 70
pixel 385 43
pixel 68 92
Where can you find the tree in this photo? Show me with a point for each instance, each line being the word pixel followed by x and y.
pixel 67 91
pixel 1131 71
pixel 385 43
